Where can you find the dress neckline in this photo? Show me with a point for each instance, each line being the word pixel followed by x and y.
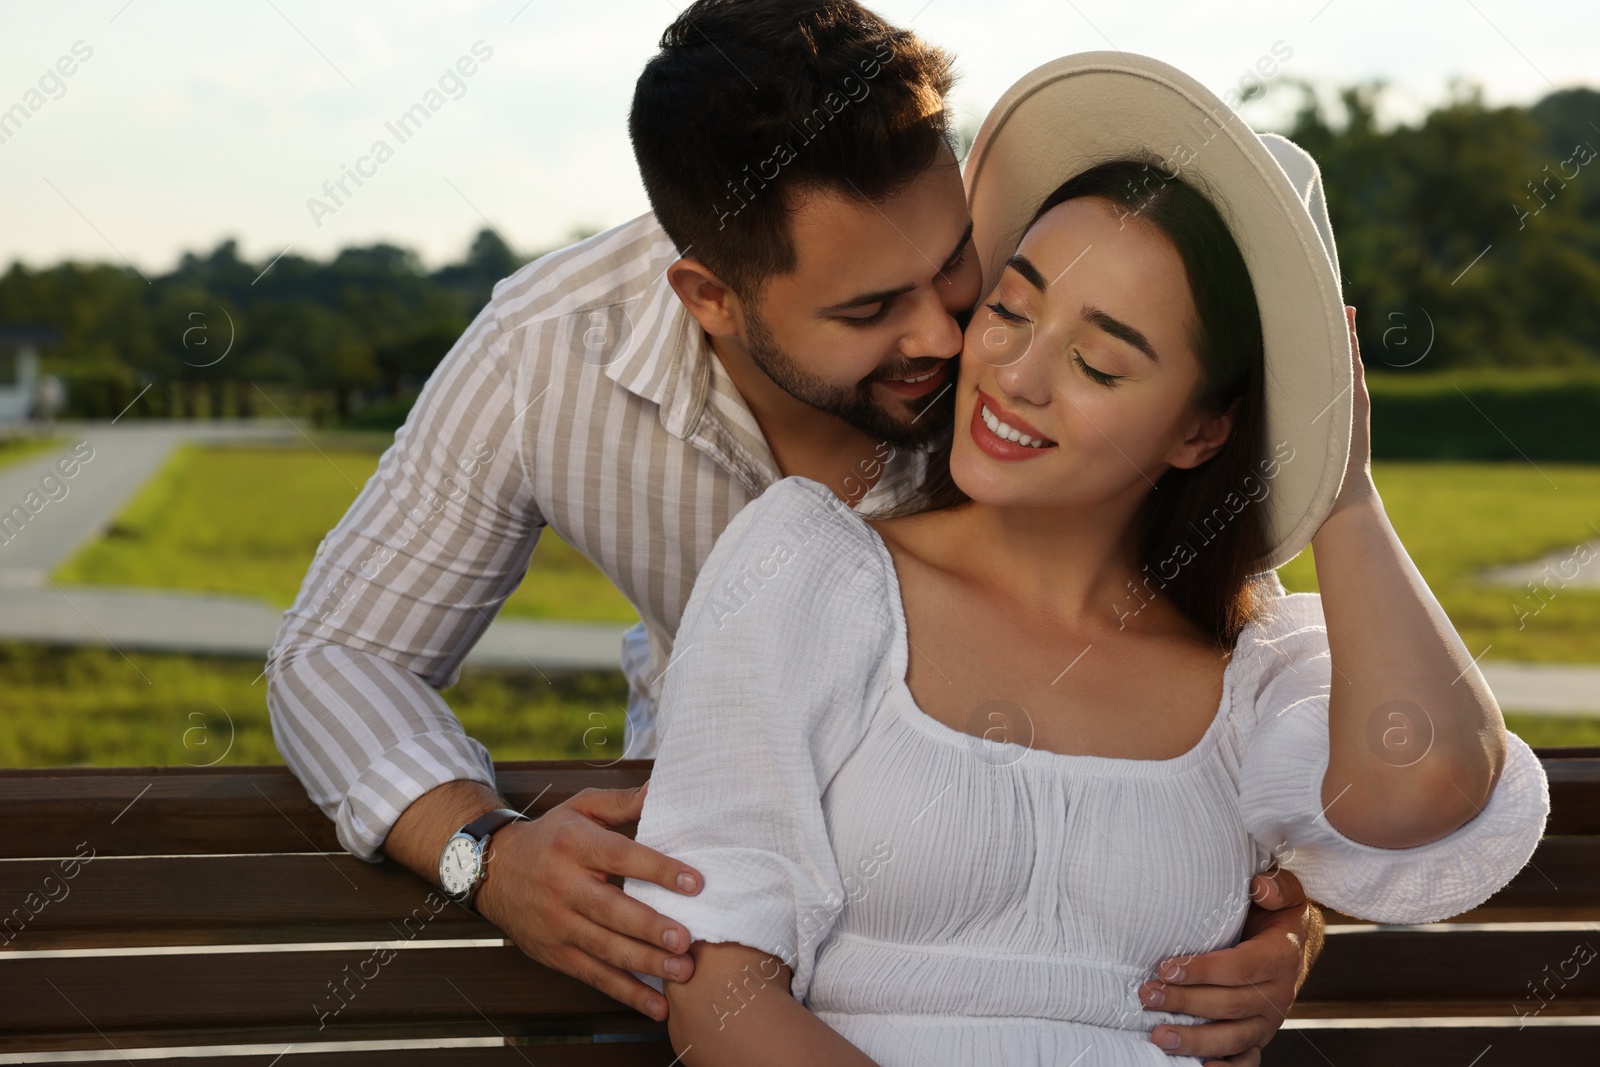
pixel 1005 753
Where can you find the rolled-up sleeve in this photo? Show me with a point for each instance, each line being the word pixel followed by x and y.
pixel 1281 799
pixel 398 593
pixel 779 660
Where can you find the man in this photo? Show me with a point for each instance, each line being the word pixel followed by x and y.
pixel 790 306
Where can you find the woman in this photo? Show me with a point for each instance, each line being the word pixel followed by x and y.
pixel 939 768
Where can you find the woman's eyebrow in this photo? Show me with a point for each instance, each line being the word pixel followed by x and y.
pixel 1024 266
pixel 1093 315
pixel 1120 330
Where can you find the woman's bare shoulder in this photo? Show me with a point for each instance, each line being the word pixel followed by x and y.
pixel 926 537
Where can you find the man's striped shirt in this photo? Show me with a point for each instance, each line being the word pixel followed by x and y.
pixel 583 397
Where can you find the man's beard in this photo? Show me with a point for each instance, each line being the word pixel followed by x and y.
pixel 854 405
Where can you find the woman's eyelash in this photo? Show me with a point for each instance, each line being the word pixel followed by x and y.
pixel 1005 312
pixel 1098 375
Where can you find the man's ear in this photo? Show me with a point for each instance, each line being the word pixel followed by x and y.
pixel 709 299
pixel 1205 437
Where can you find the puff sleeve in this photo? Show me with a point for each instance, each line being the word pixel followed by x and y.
pixel 778 663
pixel 1281 774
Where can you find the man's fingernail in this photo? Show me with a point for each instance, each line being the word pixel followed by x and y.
pixel 656 1007
pixel 1154 998
pixel 1172 973
pixel 685 882
pixel 673 966
pixel 673 940
pixel 1170 1039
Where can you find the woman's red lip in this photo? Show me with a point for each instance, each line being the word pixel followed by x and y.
pixel 998 447
pixel 1010 418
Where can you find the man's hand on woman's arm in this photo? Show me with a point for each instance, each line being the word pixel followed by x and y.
pixel 1247 988
pixel 737 1009
pixel 547 885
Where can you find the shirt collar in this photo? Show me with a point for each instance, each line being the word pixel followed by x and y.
pixel 661 335
pixel 666 358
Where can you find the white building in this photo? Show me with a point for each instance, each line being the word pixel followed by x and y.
pixel 19 370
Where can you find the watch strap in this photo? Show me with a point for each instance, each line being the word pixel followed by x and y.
pixel 479 829
pixel 489 822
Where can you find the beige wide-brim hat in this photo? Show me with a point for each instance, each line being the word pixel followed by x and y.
pixel 1081 110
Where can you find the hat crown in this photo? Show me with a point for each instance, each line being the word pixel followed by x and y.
pixel 1306 178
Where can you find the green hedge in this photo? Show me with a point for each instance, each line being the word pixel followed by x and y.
pixel 1549 414
pixel 1487 415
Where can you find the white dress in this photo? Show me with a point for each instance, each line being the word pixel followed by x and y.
pixel 946 899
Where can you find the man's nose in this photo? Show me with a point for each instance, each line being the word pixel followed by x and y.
pixel 934 331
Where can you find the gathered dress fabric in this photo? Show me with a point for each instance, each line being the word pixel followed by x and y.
pixel 944 898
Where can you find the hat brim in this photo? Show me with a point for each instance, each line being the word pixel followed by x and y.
pixel 1081 110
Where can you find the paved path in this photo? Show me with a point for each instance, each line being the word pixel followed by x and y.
pixel 121 459
pixel 156 621
pixel 1578 566
pixel 1546 688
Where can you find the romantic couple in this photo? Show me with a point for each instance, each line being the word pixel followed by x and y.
pixel 950 499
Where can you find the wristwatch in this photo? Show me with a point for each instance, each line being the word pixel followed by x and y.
pixel 461 865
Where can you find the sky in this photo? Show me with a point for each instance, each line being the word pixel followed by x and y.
pixel 185 124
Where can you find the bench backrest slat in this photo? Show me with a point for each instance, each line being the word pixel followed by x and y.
pixel 301 996
pixel 145 811
pixel 221 900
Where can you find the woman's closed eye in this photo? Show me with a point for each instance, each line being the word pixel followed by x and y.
pixel 1004 312
pixel 1095 375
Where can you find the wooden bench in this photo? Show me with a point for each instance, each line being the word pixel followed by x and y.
pixel 152 912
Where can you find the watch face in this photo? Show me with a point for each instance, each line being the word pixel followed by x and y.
pixel 458 865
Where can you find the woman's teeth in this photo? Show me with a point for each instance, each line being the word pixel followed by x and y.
pixel 1000 429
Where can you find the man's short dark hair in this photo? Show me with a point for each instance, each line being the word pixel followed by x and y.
pixel 752 102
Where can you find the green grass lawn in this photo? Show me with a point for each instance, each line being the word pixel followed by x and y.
pixel 248 520
pixel 1455 518
pixel 89 706
pixel 16 449
pixel 1554 729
